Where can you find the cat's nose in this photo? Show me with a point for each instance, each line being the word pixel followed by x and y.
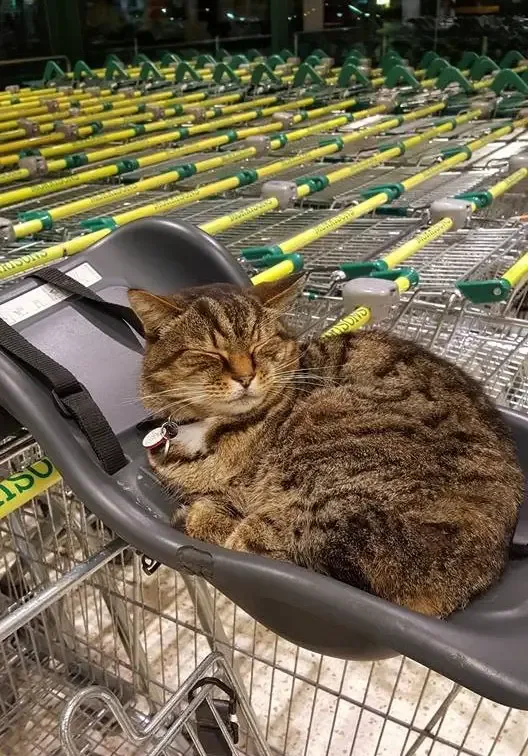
pixel 244 380
pixel 242 368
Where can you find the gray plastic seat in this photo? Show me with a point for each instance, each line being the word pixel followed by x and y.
pixel 483 647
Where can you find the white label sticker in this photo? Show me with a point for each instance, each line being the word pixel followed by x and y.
pixel 363 123
pixel 39 299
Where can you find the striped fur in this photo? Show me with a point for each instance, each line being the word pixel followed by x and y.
pixel 363 457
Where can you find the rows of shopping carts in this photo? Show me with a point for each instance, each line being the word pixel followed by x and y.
pixel 416 179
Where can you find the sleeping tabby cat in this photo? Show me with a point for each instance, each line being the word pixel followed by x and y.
pixel 364 457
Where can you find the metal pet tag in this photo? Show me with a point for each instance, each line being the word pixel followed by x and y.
pixel 155 438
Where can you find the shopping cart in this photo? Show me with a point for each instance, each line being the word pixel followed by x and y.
pixel 172 662
pixel 105 652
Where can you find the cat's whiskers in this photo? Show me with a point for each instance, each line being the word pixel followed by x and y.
pixel 298 389
pixel 321 368
pixel 266 341
pixel 294 383
pixel 301 373
pixel 294 360
pixel 158 393
pixel 297 385
pixel 142 397
pixel 183 402
pixel 180 398
pixel 172 409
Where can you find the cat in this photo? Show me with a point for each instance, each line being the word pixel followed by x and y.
pixel 363 456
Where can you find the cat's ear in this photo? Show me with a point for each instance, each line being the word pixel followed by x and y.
pixel 281 293
pixel 154 309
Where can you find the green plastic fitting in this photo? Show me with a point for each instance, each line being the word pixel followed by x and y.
pixel 231 134
pixel 238 60
pixel 77 160
pixel 394 273
pixel 247 176
pixel 460 148
pixel 204 60
pixel 150 72
pixel 482 67
pixel 315 183
pixel 275 60
pixel 507 80
pixel 29 152
pixel 351 73
pixel 427 58
pixel 452 75
pixel 511 59
pixel 263 72
pixel 391 145
pixel 312 60
pixel 185 70
pixel 305 73
pixel 282 138
pixel 82 70
pixel 222 71
pixel 269 260
pixel 401 76
pixel 481 199
pixel 253 54
pixel 393 191
pixel 140 58
pixel 115 70
pixel 481 292
pixel 168 59
pixel 363 268
pixel 256 253
pixel 337 140
pixel 435 68
pixel 99 224
pixel 186 170
pixel 127 165
pixel 41 215
pixel 137 128
pixel 467 60
pixel 52 71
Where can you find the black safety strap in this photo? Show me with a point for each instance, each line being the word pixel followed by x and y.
pixel 70 395
pixel 60 280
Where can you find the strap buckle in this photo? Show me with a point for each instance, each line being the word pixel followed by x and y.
pixel 59 396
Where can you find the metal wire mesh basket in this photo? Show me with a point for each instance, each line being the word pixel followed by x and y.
pixel 490 347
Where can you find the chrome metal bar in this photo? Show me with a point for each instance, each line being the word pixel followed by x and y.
pixel 157 724
pixel 46 597
pixel 437 716
pixel 14 447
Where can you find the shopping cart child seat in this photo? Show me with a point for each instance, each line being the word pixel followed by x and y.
pixel 482 647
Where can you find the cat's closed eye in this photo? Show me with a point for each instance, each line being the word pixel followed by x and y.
pixel 202 353
pixel 272 347
pixel 196 358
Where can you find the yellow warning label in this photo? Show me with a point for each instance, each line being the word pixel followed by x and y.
pixel 356 319
pixel 21 487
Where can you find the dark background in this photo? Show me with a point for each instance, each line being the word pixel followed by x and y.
pixel 90 29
